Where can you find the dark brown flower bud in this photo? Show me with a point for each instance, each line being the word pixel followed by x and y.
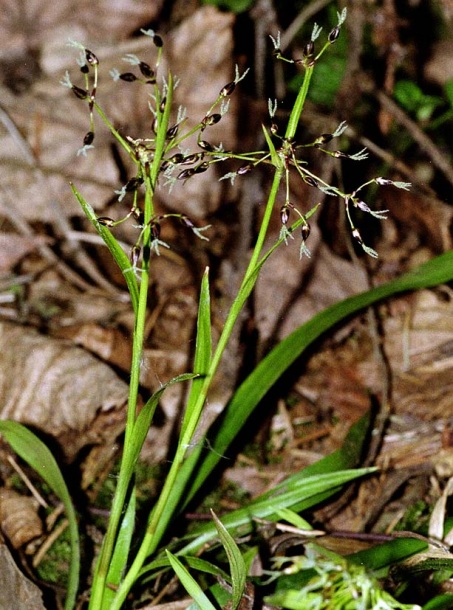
pixel 205 145
pixel 133 184
pixel 186 173
pixel 158 41
pixel 82 94
pixel 201 168
pixel 274 128
pixel 177 158
pixel 135 255
pixel 244 169
pixel 84 69
pixel 162 104
pixel 284 214
pixel 172 131
pixel 128 77
pixel 88 139
pixel 155 230
pixel 186 221
pixel 91 57
pixel 333 35
pixel 106 221
pixel 228 89
pixel 305 230
pixel 309 49
pixel 211 119
pixel 146 70
pixel 310 181
pixel 192 158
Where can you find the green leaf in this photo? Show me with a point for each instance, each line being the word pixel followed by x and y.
pixel 276 161
pixel 112 244
pixel 296 491
pixel 203 348
pixel 235 559
pixel 189 583
pixel 121 552
pixel 271 368
pixel 31 449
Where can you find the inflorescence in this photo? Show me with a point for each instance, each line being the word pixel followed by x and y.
pixel 179 164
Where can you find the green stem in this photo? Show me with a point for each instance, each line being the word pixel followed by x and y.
pixel 298 107
pixel 119 500
pixel 166 504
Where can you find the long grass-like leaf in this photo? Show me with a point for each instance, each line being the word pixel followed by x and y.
pixel 203 348
pixel 190 584
pixel 272 367
pixel 235 560
pixel 31 449
pixel 301 492
pixel 112 244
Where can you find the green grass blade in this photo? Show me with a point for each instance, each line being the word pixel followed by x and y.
pixel 235 560
pixel 203 348
pixel 121 258
pixel 190 584
pixel 31 449
pixel 272 367
pixel 301 491
pixel 121 552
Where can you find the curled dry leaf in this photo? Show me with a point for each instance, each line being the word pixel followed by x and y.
pixel 19 518
pixel 59 389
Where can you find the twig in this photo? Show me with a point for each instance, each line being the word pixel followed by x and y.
pixel 426 144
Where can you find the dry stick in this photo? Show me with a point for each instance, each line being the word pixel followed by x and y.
pixel 305 15
pixel 426 144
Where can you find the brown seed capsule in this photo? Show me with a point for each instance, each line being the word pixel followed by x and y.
pixel 211 119
pixel 228 89
pixel 186 221
pixel 155 230
pixel 333 35
pixel 205 145
pixel 244 169
pixel 146 70
pixel 309 49
pixel 192 158
pixel 324 138
pixel 201 168
pixel 135 255
pixel 158 41
pixel 186 173
pixel 284 214
pixel 106 221
pixel 84 69
pixel 91 57
pixel 82 94
pixel 305 230
pixel 178 158
pixel 88 139
pixel 128 77
pixel 310 181
pixel 172 131
pixel 133 184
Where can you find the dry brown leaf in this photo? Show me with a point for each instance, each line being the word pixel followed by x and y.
pixel 19 518
pixel 59 389
pixel 18 591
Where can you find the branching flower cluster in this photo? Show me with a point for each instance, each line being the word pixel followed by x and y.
pixel 179 164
